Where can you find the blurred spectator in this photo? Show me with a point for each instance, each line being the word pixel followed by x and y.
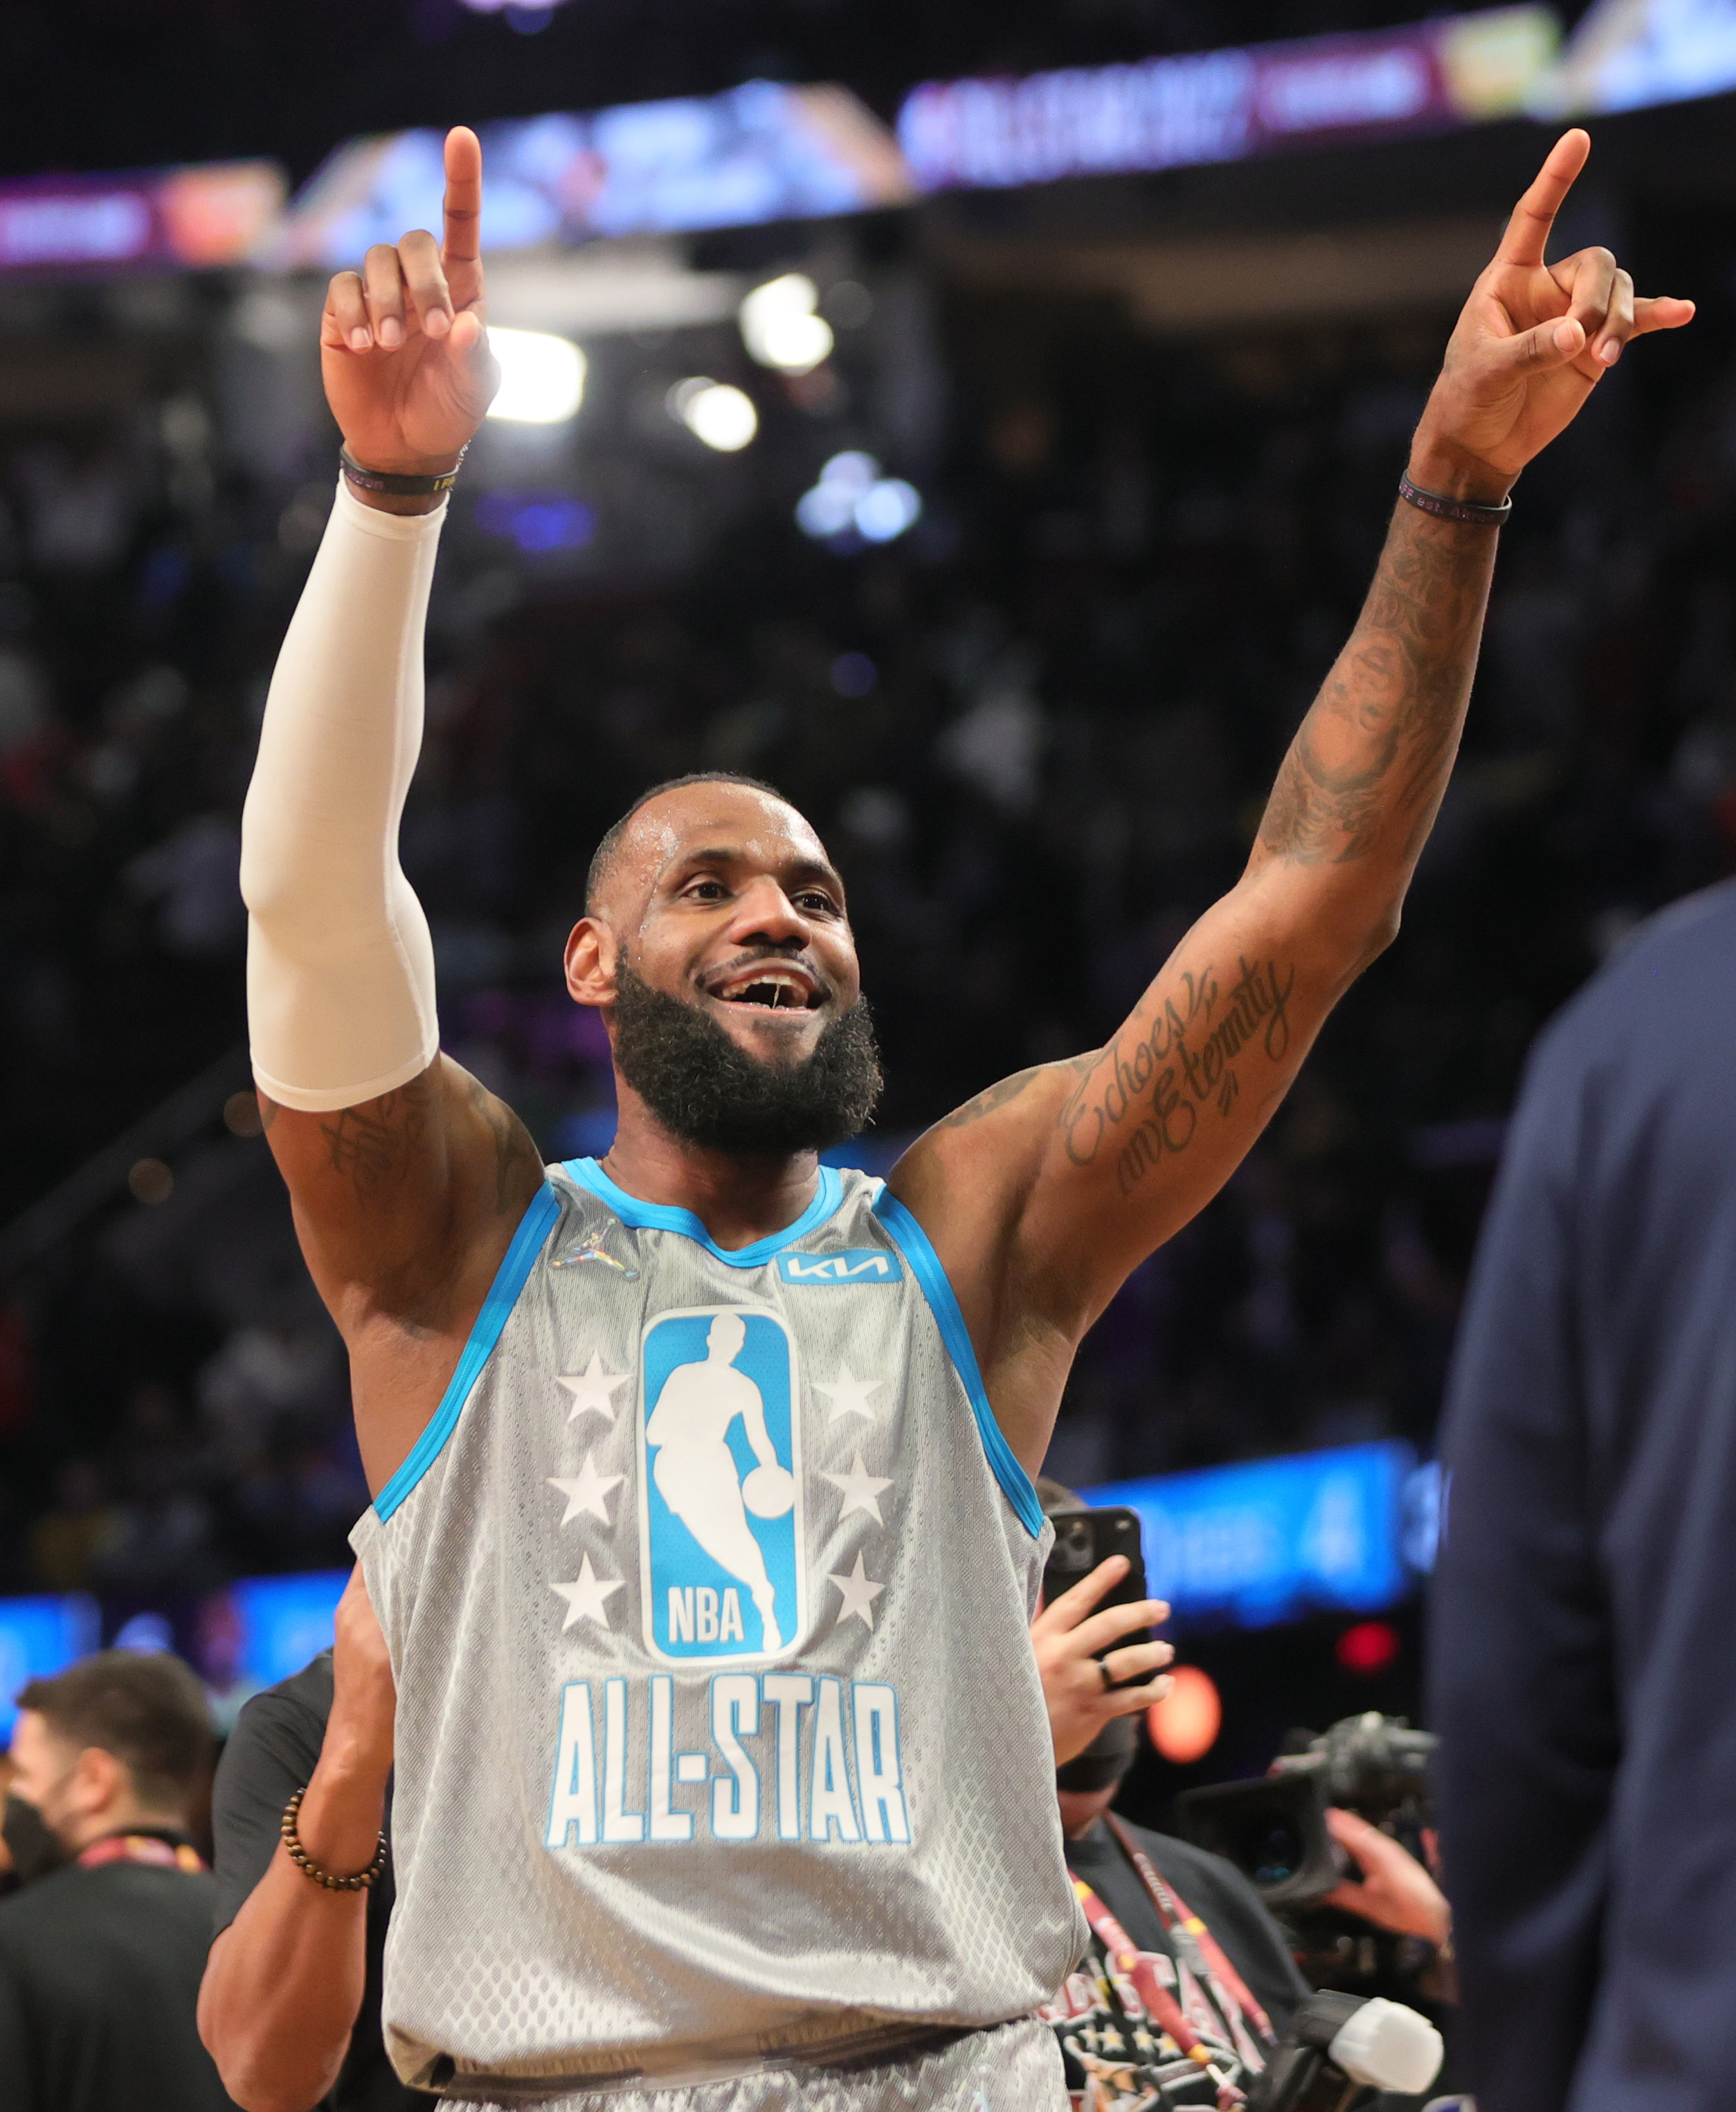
pixel 1582 1600
pixel 100 1962
pixel 1186 1964
pixel 290 2005
pixel 70 1542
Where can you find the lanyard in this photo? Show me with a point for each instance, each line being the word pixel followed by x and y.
pixel 149 1848
pixel 1161 2005
pixel 1201 1952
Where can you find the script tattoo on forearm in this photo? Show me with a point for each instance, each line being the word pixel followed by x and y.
pixel 1145 1096
pixel 371 1144
pixel 1376 747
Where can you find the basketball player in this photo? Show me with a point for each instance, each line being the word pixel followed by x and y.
pixel 644 1841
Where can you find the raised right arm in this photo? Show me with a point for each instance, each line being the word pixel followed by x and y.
pixel 407 1179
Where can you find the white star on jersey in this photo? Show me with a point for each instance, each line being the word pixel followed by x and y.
pixel 860 1595
pixel 589 1595
pixel 592 1389
pixel 587 1491
pixel 849 1395
pixel 861 1489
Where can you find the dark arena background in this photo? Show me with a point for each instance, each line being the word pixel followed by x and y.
pixel 981 421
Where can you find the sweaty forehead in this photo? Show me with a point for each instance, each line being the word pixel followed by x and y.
pixel 760 830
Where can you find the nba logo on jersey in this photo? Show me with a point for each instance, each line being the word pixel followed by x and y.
pixel 720 1487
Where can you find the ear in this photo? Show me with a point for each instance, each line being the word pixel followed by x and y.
pixel 592 950
pixel 99 1783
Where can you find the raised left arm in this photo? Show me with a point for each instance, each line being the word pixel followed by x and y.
pixel 1043 1194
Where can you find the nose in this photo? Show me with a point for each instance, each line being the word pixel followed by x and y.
pixel 763 910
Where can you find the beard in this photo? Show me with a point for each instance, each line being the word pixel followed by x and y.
pixel 708 1089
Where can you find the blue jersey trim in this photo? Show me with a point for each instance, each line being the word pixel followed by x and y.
pixel 913 1242
pixel 665 1217
pixel 527 1242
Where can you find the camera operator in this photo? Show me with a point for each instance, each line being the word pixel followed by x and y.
pixel 1215 1987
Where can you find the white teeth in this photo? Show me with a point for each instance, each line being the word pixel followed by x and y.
pixel 786 990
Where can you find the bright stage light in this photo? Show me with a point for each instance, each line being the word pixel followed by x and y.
pixel 779 327
pixel 852 498
pixel 1184 1725
pixel 722 417
pixel 542 378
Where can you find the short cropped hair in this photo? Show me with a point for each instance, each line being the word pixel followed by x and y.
pixel 604 854
pixel 148 1710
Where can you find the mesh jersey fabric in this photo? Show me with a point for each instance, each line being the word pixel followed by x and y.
pixel 1009 2068
pixel 718 1732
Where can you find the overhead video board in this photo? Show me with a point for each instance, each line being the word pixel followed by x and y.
pixel 1267 1540
pixel 760 153
pixel 38 1638
pixel 193 218
pixel 1224 106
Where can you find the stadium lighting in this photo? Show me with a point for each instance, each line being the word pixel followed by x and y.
pixel 779 326
pixel 723 417
pixel 542 378
pixel 852 499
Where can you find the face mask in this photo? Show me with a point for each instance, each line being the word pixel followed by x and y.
pixel 34 1850
pixel 1104 1761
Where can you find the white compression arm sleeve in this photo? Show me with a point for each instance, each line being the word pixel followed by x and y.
pixel 340 965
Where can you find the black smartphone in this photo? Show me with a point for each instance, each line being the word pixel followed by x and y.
pixel 1083 1538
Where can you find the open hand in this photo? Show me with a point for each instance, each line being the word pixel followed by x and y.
pixel 1395 1892
pixel 1066 1635
pixel 1533 342
pixel 403 347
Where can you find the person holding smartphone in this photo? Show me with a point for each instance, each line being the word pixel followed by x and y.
pixel 1213 1987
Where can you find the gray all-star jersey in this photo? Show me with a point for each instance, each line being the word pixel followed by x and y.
pixel 719 1731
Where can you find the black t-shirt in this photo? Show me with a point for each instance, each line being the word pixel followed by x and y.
pixel 271 1754
pixel 99 1990
pixel 1104 2030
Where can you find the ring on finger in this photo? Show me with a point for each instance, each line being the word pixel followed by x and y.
pixel 1106 1675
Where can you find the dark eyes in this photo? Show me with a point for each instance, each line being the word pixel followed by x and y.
pixel 812 901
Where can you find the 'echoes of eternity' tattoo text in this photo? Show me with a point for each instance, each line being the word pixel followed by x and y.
pixel 1166 1067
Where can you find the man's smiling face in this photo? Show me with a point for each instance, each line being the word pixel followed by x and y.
pixel 718 941
pixel 722 896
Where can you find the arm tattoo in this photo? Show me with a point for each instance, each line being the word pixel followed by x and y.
pixel 1373 753
pixel 985 1104
pixel 512 1141
pixel 1010 1089
pixel 371 1144
pixel 1144 1098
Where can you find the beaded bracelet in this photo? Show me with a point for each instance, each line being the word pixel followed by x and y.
pixel 297 1854
pixel 1467 510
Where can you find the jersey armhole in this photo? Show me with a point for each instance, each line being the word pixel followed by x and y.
pixel 510 1279
pixel 912 1242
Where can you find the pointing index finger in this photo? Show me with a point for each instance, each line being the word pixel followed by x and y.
pixel 1534 216
pixel 461 240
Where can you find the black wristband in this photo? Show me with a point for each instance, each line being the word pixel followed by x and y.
pixel 399 487
pixel 1466 510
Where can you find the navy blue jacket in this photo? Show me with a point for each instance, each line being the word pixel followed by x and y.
pixel 1583 1650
